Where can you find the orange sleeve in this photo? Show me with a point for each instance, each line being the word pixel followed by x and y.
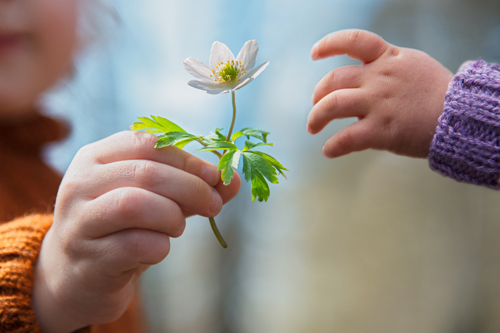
pixel 20 242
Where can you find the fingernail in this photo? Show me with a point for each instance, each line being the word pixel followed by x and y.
pixel 314 51
pixel 216 204
pixel 210 174
pixel 323 151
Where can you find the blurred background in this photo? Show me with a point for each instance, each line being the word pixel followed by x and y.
pixel 370 242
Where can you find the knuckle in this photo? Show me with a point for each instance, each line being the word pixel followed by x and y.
pixel 86 152
pixel 386 125
pixel 128 202
pixel 83 151
pixel 330 78
pixel 181 226
pixel 322 44
pixel 145 173
pixel 353 37
pixel 345 141
pixel 91 153
pixel 142 140
pixel 201 190
pixel 68 245
pixel 186 161
pixel 386 121
pixel 202 196
pixel 393 51
pixel 332 101
pixel 71 186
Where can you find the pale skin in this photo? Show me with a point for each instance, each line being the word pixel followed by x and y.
pixel 397 94
pixel 118 205
pixel 120 200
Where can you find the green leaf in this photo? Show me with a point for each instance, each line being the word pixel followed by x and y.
pixel 262 165
pixel 167 124
pixel 156 125
pixel 213 137
pixel 178 139
pixel 273 161
pixel 248 132
pixel 229 161
pixel 258 169
pixel 260 188
pixel 220 136
pixel 250 145
pixel 218 145
pixel 236 159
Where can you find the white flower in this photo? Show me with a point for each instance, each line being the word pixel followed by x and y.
pixel 225 73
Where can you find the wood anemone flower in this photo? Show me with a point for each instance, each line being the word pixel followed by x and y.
pixel 225 74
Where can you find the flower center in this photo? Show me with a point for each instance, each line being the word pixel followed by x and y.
pixel 228 72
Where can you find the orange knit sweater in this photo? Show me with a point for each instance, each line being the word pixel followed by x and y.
pixel 28 188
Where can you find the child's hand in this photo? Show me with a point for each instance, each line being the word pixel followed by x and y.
pixel 119 203
pixel 397 95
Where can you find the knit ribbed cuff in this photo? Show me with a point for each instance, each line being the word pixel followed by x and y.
pixel 20 243
pixel 466 146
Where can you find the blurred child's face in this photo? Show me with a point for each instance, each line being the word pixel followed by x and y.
pixel 37 38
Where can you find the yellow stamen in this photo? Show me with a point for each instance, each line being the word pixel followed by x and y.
pixel 228 72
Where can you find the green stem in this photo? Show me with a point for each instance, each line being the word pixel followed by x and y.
pixel 217 233
pixel 213 151
pixel 228 139
pixel 234 118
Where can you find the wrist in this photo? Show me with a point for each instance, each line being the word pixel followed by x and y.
pixel 51 311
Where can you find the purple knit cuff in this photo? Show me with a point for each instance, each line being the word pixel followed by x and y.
pixel 466 146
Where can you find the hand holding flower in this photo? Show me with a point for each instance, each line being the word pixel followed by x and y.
pixel 225 74
pixel 118 205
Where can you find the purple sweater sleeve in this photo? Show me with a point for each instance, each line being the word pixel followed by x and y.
pixel 466 146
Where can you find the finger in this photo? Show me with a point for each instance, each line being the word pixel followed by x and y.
pixel 130 145
pixel 227 192
pixel 128 249
pixel 188 191
pixel 339 104
pixel 357 44
pixel 345 77
pixel 355 137
pixel 132 208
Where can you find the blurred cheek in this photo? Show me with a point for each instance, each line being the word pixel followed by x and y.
pixel 44 56
pixel 57 38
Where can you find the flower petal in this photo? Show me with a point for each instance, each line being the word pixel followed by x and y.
pixel 217 92
pixel 255 72
pixel 248 54
pixel 220 53
pixel 250 76
pixel 198 69
pixel 243 83
pixel 210 88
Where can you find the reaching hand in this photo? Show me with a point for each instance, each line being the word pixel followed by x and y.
pixel 396 93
